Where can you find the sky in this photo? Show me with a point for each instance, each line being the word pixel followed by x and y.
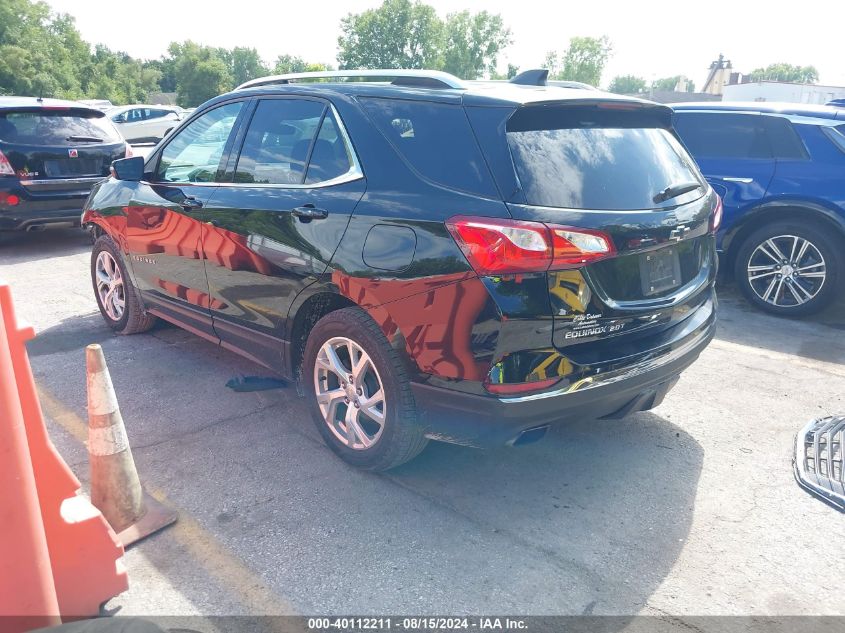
pixel 650 38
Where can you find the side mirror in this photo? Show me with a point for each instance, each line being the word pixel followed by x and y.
pixel 131 169
pixel 120 118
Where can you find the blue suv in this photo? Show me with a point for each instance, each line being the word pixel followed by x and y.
pixel 780 169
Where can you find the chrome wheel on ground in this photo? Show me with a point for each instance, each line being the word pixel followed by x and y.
pixel 786 271
pixel 349 393
pixel 110 288
pixel 359 393
pixel 118 299
pixel 789 268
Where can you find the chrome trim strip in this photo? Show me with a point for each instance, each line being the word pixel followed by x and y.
pixel 88 180
pixel 628 372
pixel 355 172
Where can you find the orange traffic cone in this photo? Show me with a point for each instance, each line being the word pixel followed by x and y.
pixel 115 488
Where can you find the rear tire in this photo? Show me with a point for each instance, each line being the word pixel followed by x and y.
pixel 350 362
pixel 118 299
pixel 789 269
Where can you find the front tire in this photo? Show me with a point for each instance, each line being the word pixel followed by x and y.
pixel 117 297
pixel 789 269
pixel 359 393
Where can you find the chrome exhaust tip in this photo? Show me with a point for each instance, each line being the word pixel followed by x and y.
pixel 819 459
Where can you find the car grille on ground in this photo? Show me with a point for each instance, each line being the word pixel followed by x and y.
pixel 820 459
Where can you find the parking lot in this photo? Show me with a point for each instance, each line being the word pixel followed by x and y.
pixel 690 509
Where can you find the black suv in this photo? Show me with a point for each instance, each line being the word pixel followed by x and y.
pixel 431 258
pixel 51 154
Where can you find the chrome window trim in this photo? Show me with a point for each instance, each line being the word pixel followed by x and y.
pixel 88 180
pixel 354 173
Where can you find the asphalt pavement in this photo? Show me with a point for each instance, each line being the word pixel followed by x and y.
pixel 690 509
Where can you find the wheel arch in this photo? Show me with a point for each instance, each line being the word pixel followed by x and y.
pixel 794 210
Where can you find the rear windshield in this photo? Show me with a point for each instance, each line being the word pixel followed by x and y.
pixel 582 158
pixel 56 128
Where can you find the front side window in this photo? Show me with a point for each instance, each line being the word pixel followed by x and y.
pixel 278 142
pixel 194 154
pixel 723 135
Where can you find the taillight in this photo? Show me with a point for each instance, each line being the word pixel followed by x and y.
pixel 6 168
pixel 576 247
pixel 9 199
pixel 716 218
pixel 499 246
pixel 129 153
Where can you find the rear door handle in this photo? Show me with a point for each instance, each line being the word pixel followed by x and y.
pixel 310 212
pixel 190 204
pixel 745 181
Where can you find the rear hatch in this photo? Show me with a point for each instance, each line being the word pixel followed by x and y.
pixel 615 168
pixel 59 150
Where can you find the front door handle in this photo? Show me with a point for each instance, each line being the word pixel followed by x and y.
pixel 745 181
pixel 309 212
pixel 190 204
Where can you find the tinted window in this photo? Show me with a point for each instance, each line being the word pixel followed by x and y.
pixel 330 156
pixel 783 138
pixel 837 135
pixel 276 147
pixel 723 135
pixel 436 140
pixel 193 155
pixel 56 128
pixel 598 162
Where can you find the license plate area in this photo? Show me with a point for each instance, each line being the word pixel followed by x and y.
pixel 660 271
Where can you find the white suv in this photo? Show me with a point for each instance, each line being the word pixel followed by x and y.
pixel 145 123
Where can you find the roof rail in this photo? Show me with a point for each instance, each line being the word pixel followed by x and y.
pixel 421 78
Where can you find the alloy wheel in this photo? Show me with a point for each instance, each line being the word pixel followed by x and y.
pixel 350 393
pixel 110 287
pixel 786 271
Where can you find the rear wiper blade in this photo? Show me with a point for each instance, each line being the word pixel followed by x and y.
pixel 85 139
pixel 673 191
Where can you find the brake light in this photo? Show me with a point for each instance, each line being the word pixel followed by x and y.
pixel 9 199
pixel 498 246
pixel 6 168
pixel 129 153
pixel 716 218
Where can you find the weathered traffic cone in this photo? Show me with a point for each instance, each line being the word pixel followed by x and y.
pixel 115 488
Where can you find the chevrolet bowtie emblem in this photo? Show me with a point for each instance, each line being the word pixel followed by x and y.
pixel 678 233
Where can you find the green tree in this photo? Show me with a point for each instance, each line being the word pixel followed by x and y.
pixel 200 73
pixel 583 61
pixel 286 64
pixel 246 65
pixel 473 43
pixel 627 84
pixel 398 34
pixel 786 72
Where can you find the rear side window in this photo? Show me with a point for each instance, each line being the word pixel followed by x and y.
pixel 56 128
pixel 585 159
pixel 436 140
pixel 280 135
pixel 723 135
pixel 837 135
pixel 783 139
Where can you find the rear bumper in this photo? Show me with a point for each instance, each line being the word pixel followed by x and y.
pixel 41 209
pixel 487 421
